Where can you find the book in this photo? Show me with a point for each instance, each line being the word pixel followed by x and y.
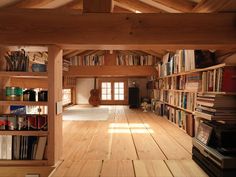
pixel 22 122
pixel 40 148
pixel 32 122
pixel 3 122
pixel 42 122
pixel 203 133
pixel 12 122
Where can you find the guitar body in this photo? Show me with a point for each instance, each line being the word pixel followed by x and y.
pixel 94 98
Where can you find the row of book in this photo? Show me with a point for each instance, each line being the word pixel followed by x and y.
pixel 22 147
pixel 185 100
pixel 216 106
pixel 87 60
pixel 181 118
pixel 184 60
pixel 191 82
pixel 216 80
pixel 219 80
pixel 23 122
pixel 131 60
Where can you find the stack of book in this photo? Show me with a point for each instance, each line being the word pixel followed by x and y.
pixel 216 106
pixel 22 147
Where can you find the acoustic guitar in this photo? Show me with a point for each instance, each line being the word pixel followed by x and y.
pixel 94 98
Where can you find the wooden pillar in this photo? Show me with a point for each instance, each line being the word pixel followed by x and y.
pixel 97 6
pixel 54 99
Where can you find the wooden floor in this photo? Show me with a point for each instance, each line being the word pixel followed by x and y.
pixel 129 144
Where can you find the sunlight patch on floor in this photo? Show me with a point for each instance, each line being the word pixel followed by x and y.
pixel 124 128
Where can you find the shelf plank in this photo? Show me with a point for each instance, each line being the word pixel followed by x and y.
pixel 23 74
pixel 23 162
pixel 124 71
pixel 28 133
pixel 24 103
pixel 190 91
pixel 186 110
pixel 198 70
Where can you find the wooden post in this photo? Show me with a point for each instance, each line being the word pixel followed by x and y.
pixel 54 98
pixel 97 6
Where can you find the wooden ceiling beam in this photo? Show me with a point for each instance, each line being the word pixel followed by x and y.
pixel 109 31
pixel 97 6
pixel 181 5
pixel 136 6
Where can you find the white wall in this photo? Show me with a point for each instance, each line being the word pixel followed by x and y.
pixel 83 87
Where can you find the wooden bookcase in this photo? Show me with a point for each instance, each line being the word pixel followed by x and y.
pixel 52 80
pixel 167 87
pixel 108 66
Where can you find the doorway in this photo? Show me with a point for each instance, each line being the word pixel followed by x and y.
pixel 113 90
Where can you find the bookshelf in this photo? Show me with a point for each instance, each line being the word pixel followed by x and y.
pixel 47 148
pixel 178 89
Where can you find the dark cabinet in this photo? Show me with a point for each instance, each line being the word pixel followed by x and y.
pixel 133 97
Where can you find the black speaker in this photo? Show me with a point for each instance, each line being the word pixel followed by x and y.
pixel 134 97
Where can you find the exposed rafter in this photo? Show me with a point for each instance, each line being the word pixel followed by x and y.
pixel 136 6
pixel 119 9
pixel 215 5
pixel 181 5
pixel 74 53
pixel 29 4
pixel 160 6
pixel 75 4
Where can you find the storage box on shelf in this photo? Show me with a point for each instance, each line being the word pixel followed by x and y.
pixel 181 79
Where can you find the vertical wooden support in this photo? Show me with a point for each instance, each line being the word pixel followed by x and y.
pixel 55 96
pixel 4 81
pixel 97 6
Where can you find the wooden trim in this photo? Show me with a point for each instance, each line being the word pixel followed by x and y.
pixel 29 82
pixel 118 31
pixel 23 74
pixel 55 96
pixel 24 103
pixel 113 71
pixel 28 133
pixel 23 162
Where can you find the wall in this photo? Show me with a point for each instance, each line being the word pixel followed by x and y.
pixel 141 83
pixel 83 87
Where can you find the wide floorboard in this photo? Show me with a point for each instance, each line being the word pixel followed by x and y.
pixel 130 143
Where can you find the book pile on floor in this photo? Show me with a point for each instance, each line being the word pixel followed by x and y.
pixel 216 106
pixel 22 147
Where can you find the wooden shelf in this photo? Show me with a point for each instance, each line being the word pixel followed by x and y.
pixel 23 162
pixel 198 70
pixel 24 103
pixel 115 71
pixel 190 91
pixel 23 74
pixel 174 90
pixel 186 110
pixel 28 133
